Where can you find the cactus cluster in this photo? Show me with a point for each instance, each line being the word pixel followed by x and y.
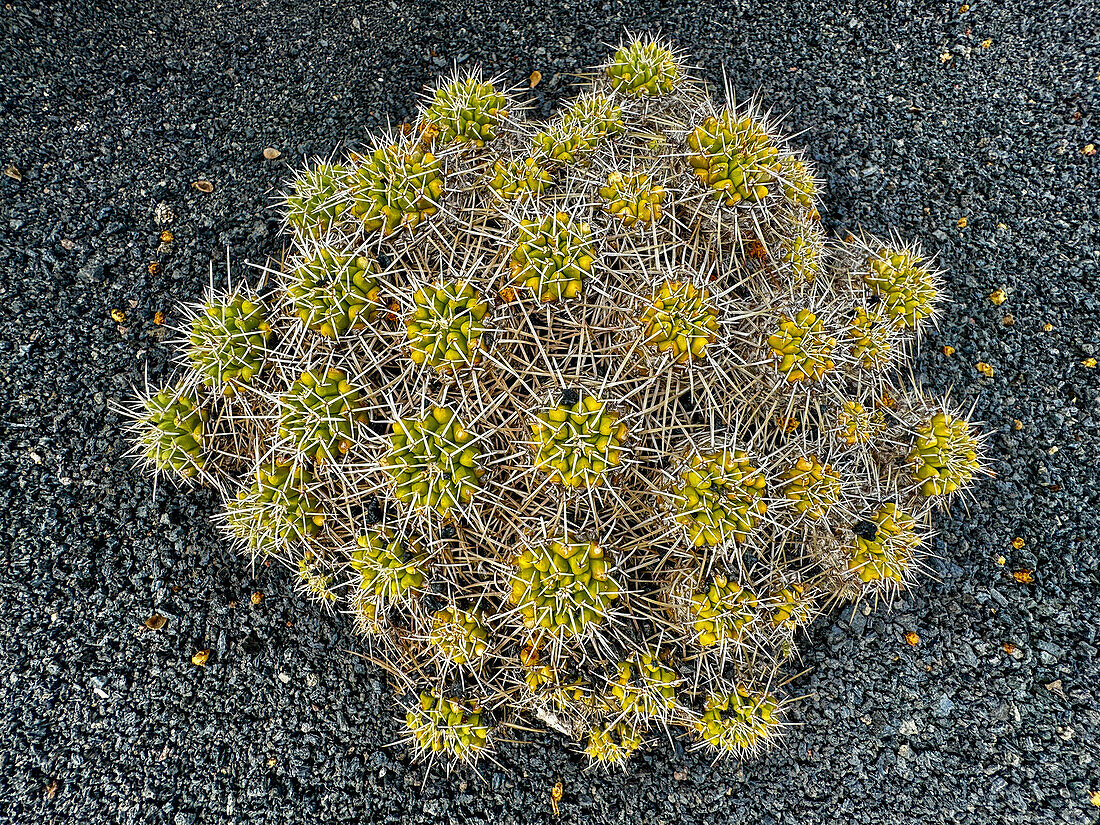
pixel 581 421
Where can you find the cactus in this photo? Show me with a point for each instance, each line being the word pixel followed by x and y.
pixel 446 326
pixel 944 456
pixel 578 444
pixel 680 320
pixel 396 187
pixel 720 496
pixel 734 158
pixel 466 110
pixel 580 421
pixel 738 721
pixel 319 413
pixel 564 587
pixel 229 340
pixel 433 462
pixel 333 293
pixel 552 257
pixel 171 431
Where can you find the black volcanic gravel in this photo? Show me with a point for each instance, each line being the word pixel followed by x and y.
pixel 993 717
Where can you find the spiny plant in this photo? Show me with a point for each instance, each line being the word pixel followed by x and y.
pixel 579 421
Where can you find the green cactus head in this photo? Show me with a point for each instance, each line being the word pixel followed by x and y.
pixel 801 248
pixel 872 336
pixel 551 258
pixel 811 487
pixel 613 742
pixel 681 320
pixel 278 509
pixel 792 607
pixel 228 342
pixel 907 289
pixel 317 202
pixel 644 69
pixel 884 545
pixel 314 579
pixel 564 587
pixel 459 636
pixel 739 721
pixel 721 612
pixel 595 117
pixel 633 198
pixel 644 687
pixel 389 566
pixel 433 462
pixel 855 424
pixel 578 444
pixel 467 110
pixel 172 431
pixel 797 182
pixel 519 180
pixel 944 456
pixel 735 158
pixel 333 293
pixel 318 414
pixel 397 187
pixel 720 496
pixel 446 326
pixel 450 727
pixel 802 348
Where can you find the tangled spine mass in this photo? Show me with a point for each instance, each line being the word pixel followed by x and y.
pixel 583 419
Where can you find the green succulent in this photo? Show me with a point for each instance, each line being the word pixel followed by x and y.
pixel 587 123
pixel 172 431
pixel 812 487
pixel 797 182
pixel 448 726
pixel 578 444
pixel 278 508
pixel 792 607
pixel 313 577
pixel 855 424
pixel 680 320
pixel 334 293
pixel 644 69
pixel 801 248
pixel 433 462
pixel 908 290
pixel 884 545
pixel 467 110
pixel 563 587
pixel 317 202
pixel 389 566
pixel 613 742
pixel 735 158
pixel 739 721
pixel 719 496
pixel 721 612
pixel 644 687
pixel 228 342
pixel 872 338
pixel 520 180
pixel 459 636
pixel 632 198
pixel 944 456
pixel 396 187
pixel 552 257
pixel 319 412
pixel 802 348
pixel 446 326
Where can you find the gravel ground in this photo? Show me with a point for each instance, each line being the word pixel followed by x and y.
pixel 920 117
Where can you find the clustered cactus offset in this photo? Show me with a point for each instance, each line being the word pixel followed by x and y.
pixel 578 421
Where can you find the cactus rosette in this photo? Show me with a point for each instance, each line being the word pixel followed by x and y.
pixel 584 420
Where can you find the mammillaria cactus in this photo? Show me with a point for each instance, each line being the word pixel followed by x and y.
pixel 581 421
